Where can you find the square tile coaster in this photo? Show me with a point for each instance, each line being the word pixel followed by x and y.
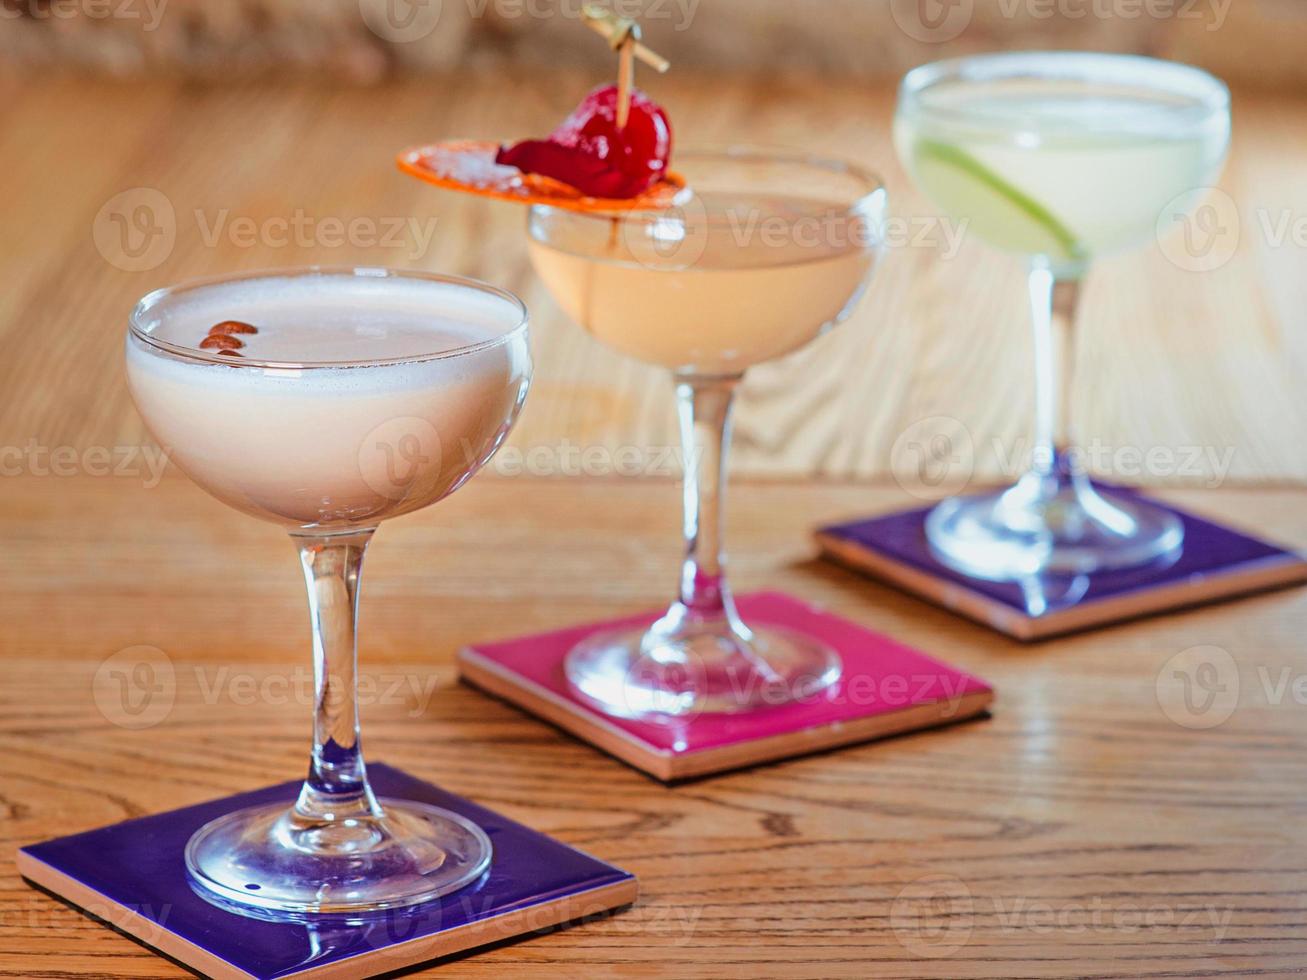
pixel 886 689
pixel 131 875
pixel 1216 563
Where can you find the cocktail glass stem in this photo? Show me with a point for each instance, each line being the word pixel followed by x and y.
pixel 704 602
pixel 1054 519
pixel 704 411
pixel 336 849
pixel 1054 304
pixel 700 656
pixel 1057 484
pixel 1055 466
pixel 336 790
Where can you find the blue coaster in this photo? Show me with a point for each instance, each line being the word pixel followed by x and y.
pixel 1216 562
pixel 131 876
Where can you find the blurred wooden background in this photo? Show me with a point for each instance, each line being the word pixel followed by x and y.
pixel 1082 789
pixel 118 187
pixel 1257 41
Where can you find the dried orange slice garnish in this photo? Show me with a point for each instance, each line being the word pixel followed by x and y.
pixel 469 166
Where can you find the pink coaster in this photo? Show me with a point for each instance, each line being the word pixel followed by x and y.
pixel 886 689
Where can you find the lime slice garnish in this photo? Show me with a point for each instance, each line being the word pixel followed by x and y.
pixel 998 210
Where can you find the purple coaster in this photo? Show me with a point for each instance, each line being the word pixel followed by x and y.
pixel 131 875
pixel 1215 563
pixel 886 689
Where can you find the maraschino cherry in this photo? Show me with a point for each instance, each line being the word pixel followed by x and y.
pixel 590 152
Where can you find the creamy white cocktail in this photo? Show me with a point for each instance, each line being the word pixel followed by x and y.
pixel 327 401
pixel 340 409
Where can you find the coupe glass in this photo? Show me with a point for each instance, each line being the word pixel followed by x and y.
pixel 766 251
pixel 1059 158
pixel 401 386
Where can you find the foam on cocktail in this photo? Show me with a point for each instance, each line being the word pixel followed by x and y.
pixel 380 395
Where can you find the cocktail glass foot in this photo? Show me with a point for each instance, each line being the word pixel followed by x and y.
pixel 689 663
pixel 1050 523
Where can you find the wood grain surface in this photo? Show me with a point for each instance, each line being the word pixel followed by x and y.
pixel 1081 831
pixel 1092 828
pixel 1205 368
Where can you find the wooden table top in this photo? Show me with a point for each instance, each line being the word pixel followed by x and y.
pixel 1035 842
pixel 1079 832
pixel 1208 366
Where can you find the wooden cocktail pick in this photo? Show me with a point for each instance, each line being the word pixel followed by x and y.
pixel 623 36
